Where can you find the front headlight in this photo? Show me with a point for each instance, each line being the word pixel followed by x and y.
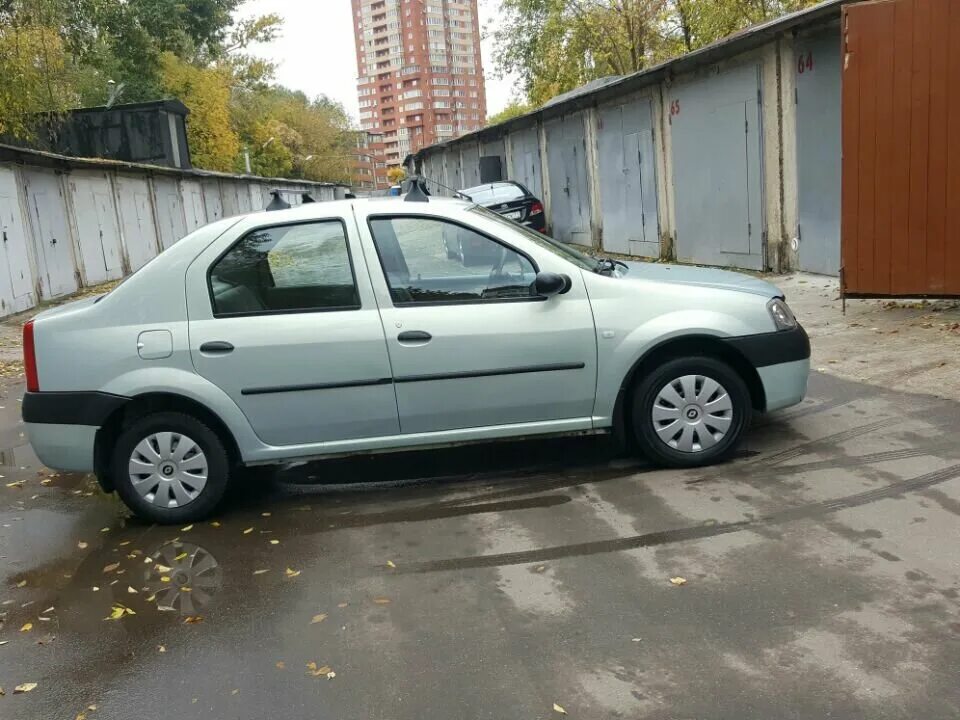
pixel 782 316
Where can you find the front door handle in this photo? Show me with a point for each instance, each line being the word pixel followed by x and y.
pixel 218 347
pixel 414 336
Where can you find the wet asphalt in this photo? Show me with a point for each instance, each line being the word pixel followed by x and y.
pixel 821 568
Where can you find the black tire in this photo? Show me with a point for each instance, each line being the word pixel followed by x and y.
pixel 645 396
pixel 218 467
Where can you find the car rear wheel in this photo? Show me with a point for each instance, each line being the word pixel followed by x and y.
pixel 690 412
pixel 170 468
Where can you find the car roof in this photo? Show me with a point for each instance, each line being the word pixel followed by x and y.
pixel 386 203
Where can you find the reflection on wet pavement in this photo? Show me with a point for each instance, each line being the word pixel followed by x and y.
pixel 493 581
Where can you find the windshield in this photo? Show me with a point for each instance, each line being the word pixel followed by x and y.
pixel 495 193
pixel 578 258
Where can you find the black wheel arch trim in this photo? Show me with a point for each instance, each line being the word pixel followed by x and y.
pixel 772 348
pixel 714 341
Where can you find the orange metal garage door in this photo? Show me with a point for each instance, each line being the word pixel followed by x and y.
pixel 901 149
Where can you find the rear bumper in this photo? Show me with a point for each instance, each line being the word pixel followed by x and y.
pixel 70 408
pixel 63 447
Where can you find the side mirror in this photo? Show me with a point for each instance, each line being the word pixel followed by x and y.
pixel 549 284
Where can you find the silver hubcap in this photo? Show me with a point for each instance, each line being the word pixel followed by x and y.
pixel 193 578
pixel 168 469
pixel 692 413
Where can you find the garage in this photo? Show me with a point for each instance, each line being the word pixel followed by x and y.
pixel 717 169
pixel 818 78
pixel 525 160
pixel 136 220
pixel 569 195
pixel 98 235
pixel 51 237
pixel 16 280
pixel 470 162
pixel 628 183
pixel 171 224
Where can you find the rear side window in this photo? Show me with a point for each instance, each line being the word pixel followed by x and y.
pixel 289 268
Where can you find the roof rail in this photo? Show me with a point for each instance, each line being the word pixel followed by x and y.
pixel 278 203
pixel 417 190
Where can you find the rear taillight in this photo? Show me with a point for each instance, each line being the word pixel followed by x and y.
pixel 536 208
pixel 30 359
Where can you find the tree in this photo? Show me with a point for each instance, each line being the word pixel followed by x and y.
pixel 206 91
pixel 513 110
pixel 396 175
pixel 558 45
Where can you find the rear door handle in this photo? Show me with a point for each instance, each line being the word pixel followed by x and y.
pixel 414 336
pixel 219 347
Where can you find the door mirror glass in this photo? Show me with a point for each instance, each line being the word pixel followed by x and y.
pixel 548 284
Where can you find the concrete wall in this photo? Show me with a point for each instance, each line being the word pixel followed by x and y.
pixel 67 223
pixel 773 167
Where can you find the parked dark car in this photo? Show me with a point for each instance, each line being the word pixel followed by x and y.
pixel 507 198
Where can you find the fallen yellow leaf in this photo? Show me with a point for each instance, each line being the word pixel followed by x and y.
pixel 165 578
pixel 382 601
pixel 265 514
pixel 188 528
pixel 82 545
pixel 81 716
pixel 248 531
pixel 111 567
pixel 92 708
pixel 18 484
pixel 22 583
pixel 161 648
pixel 261 572
pixel 281 664
pixel 118 612
pixel 131 591
pixel 193 619
pixel 678 581
pixel 25 688
pixel 342 605
pixel 214 524
pixel 390 564
pixel 291 573
pixel 106 529
pixel 162 568
pixel 234 692
pixel 27 627
pixel 46 481
pixel 323 671
pixel 124 543
pixel 274 542
pixel 559 709
pixel 181 556
pixel 318 618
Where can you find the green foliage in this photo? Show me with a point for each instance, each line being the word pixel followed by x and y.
pixel 57 54
pixel 558 45
pixel 513 110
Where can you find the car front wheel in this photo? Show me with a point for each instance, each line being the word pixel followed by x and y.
pixel 690 412
pixel 170 468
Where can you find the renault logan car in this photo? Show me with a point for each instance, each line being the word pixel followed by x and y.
pixel 344 327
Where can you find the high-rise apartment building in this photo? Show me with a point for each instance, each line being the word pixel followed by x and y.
pixel 420 78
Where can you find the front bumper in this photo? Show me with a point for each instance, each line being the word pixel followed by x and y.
pixel 782 360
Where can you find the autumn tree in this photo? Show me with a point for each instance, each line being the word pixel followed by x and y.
pixel 513 110
pixel 396 175
pixel 554 46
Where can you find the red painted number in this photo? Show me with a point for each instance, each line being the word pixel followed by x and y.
pixel 805 63
pixel 675 108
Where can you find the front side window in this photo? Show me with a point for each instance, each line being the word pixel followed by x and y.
pixel 288 268
pixel 429 260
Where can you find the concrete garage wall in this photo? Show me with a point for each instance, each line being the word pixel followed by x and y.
pixel 693 160
pixel 67 223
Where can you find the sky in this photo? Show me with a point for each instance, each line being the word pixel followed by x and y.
pixel 315 52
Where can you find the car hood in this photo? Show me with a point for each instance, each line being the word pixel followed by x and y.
pixel 700 277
